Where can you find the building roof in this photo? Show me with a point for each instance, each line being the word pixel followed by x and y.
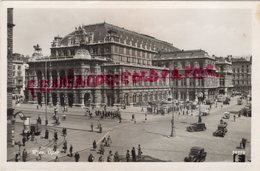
pixel 183 54
pixel 102 29
pixel 241 59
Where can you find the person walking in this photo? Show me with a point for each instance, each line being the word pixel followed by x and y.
pixel 133 154
pixel 91 127
pixel 17 157
pixel 127 156
pixel 24 140
pixel 55 135
pixel 234 118
pixel 46 134
pixel 139 152
pixel 109 157
pixel 94 145
pixel 24 155
pixel 91 158
pixel 100 159
pixel 133 117
pixel 109 141
pixel 65 147
pixel 116 157
pixel 77 156
pixel 55 147
pixel 71 150
pixel 145 116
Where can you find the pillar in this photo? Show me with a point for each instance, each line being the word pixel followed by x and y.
pixel 187 95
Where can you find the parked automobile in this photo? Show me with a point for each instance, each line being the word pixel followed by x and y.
pixel 209 101
pixel 226 115
pixel 239 101
pixel 196 127
pixel 197 154
pixel 205 113
pixel 226 101
pixel 221 131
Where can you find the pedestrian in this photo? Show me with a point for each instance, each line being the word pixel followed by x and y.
pixel 39 157
pixel 127 156
pixel 221 106
pixel 91 127
pixel 234 118
pixel 24 140
pixel 133 154
pixel 55 147
pixel 104 141
pixel 142 109
pixel 71 150
pixel 94 145
pixel 102 149
pixel 64 116
pixel 56 159
pixel 55 135
pixel 145 116
pixel 109 157
pixel 116 157
pixel 133 117
pixel 77 156
pixel 65 147
pixel 109 141
pixel 244 143
pixel 199 121
pixel 100 129
pixel 39 121
pixel 24 155
pixel 17 157
pixel 100 159
pixel 139 152
pixel 46 134
pixel 64 131
pixel 91 158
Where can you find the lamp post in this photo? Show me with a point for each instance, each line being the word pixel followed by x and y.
pixel 46 119
pixel 199 100
pixel 173 134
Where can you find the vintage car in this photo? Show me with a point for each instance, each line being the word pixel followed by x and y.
pixel 221 131
pixel 226 115
pixel 205 113
pixel 197 154
pixel 226 101
pixel 196 127
pixel 209 101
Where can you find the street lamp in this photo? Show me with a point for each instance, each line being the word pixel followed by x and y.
pixel 172 121
pixel 46 119
pixel 199 100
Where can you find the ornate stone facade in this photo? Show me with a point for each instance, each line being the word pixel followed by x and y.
pixel 89 53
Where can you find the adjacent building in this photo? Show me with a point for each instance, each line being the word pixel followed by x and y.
pixel 10 86
pixel 224 69
pixel 18 73
pixel 189 86
pixel 241 67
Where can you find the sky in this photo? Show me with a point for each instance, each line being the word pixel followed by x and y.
pixel 220 32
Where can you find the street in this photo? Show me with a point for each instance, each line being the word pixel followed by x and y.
pixel 152 134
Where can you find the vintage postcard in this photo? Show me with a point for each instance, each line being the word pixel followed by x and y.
pixel 166 83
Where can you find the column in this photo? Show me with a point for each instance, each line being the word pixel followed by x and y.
pixel 75 98
pixel 130 98
pixel 82 93
pixel 187 95
pixel 179 95
pixel 58 98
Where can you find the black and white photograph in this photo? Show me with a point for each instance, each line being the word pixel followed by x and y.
pixel 128 83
